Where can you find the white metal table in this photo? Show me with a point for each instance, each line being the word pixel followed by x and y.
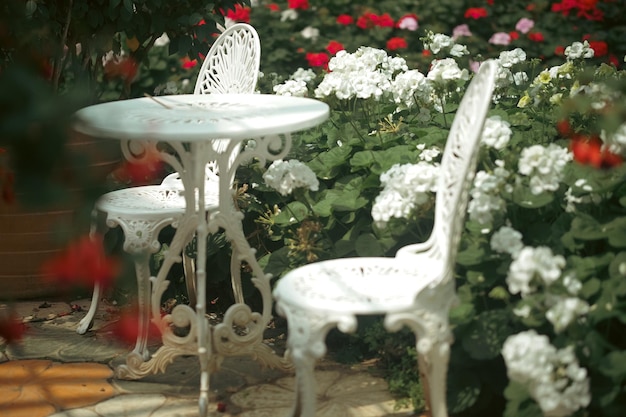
pixel 194 128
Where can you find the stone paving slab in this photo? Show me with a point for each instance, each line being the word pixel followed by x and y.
pixel 56 372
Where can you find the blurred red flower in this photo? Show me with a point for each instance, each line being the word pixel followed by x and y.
pixel 367 21
pixel 83 263
pixel 145 170
pixel 11 328
pixel 125 68
pixel 298 4
pixel 536 37
pixel 591 151
pixel 396 43
pixel 514 35
pixel 385 21
pixel 187 63
pixel 586 9
pixel 126 328
pixel 559 50
pixel 475 13
pixel 273 7
pixel 345 19
pixel 333 47
pixel 600 48
pixel 239 14
pixel 317 59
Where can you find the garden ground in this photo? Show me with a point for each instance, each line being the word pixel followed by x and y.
pixel 54 371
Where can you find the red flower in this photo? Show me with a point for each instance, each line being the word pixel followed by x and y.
pixel 273 7
pixel 600 48
pixel 345 19
pixel 563 127
pixel 475 13
pixel 426 53
pixel 298 4
pixel 84 262
pixel 145 170
pixel 125 68
pixel 319 59
pixel 188 63
pixel 490 2
pixel 514 35
pixel 396 43
pixel 559 50
pixel 11 329
pixel 531 7
pixel 126 328
pixel 590 151
pixel 367 21
pixel 614 60
pixel 239 14
pixel 536 37
pixel 385 21
pixel 333 47
pixel 586 9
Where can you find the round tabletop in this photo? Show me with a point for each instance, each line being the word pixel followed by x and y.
pixel 198 117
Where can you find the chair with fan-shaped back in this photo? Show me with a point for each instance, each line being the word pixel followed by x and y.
pixel 231 66
pixel 415 288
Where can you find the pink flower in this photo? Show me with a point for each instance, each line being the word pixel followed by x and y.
pixel 408 22
pixel 524 25
pixel 500 38
pixel 461 30
pixel 474 65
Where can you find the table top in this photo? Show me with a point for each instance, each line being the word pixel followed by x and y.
pixel 198 117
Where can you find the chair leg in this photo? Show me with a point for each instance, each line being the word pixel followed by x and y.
pixel 433 370
pixel 189 269
pixel 235 275
pixel 142 270
pixel 86 321
pixel 305 344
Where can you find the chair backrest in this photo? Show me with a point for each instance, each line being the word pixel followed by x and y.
pixel 458 164
pixel 232 64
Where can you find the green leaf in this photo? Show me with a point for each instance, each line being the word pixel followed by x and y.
pixel 472 255
pixel 524 198
pixel 463 391
pixel 487 334
pixel 613 365
pixel 328 164
pixel 277 262
pixel 294 212
pixel 368 245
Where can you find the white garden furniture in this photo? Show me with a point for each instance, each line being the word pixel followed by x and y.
pixel 415 288
pixel 231 66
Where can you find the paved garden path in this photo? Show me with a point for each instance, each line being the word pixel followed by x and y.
pixel 56 372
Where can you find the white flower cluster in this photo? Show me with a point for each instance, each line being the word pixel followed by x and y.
pixel 553 378
pixel 531 267
pixel 486 195
pixel 301 74
pixel 429 154
pixel 507 240
pixel 439 42
pixel 579 50
pixel 544 165
pixel 507 59
pixel 447 69
pixel 565 310
pixel 366 73
pixel 409 85
pixel 496 133
pixel 406 187
pixel 285 176
pixel 295 88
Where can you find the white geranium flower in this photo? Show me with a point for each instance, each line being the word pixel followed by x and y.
pixel 285 176
pixel 291 88
pixel 406 187
pixel 447 69
pixel 579 50
pixel 509 58
pixel 310 32
pixel 507 240
pixel 302 74
pixel 496 133
pixel 565 310
pixel 531 267
pixel 544 165
pixel 552 377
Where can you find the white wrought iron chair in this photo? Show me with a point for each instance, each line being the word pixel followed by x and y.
pixel 231 66
pixel 415 288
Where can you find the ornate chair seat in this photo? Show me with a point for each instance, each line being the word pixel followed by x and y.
pixel 416 288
